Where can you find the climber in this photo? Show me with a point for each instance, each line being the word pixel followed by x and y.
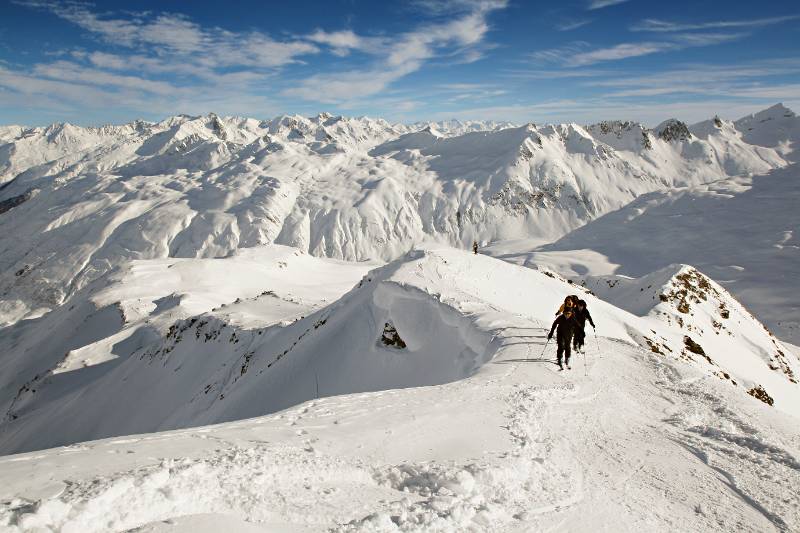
pixel 569 303
pixel 581 315
pixel 475 247
pixel 566 325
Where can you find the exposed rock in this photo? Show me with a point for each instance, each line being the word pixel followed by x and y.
pixel 390 337
pixel 693 346
pixel 14 201
pixel 761 394
pixel 673 130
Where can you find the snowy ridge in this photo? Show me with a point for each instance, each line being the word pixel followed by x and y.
pixel 550 449
pixel 776 127
pixel 716 328
pixel 403 325
pixel 338 187
pixel 147 286
pixel 454 127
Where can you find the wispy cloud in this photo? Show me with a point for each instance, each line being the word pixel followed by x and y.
pixel 600 4
pixel 401 55
pixel 342 42
pixel 456 7
pixel 176 37
pixel 620 51
pixel 470 91
pixel 162 63
pixel 655 25
pixel 580 53
pixel 572 24
pixel 744 81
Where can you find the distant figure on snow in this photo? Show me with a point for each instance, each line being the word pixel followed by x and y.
pixel 566 325
pixel 581 316
pixel 475 247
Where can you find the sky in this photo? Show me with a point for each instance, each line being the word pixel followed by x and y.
pixel 512 60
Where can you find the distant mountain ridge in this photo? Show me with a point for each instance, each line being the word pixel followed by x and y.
pixel 82 201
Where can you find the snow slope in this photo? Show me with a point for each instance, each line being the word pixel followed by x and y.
pixel 629 437
pixel 63 352
pixel 79 202
pixel 208 369
pixel 165 276
pixel 740 231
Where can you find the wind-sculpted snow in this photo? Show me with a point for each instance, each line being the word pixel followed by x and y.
pixel 84 201
pixel 432 317
pixel 630 436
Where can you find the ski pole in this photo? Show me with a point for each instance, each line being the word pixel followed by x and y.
pixel 597 343
pixel 585 371
pixel 545 347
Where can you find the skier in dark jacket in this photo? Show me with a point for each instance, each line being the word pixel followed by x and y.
pixel 566 325
pixel 581 316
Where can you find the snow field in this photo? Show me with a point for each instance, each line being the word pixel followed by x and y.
pixel 642 440
pixel 556 451
pixel 208 369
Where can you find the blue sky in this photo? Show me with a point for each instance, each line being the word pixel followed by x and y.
pixel 572 60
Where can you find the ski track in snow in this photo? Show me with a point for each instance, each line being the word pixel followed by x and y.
pixel 578 451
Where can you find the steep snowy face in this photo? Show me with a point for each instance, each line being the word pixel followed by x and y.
pixel 628 136
pixel 708 327
pixel 80 202
pixel 777 127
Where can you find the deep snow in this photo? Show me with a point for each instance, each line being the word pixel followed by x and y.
pixel 628 437
pixel 141 290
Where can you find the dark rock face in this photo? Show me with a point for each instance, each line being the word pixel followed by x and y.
pixel 674 130
pixel 761 394
pixel 692 346
pixel 390 337
pixel 14 201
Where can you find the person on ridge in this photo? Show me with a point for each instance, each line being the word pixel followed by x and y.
pixel 566 325
pixel 475 247
pixel 581 316
pixel 569 303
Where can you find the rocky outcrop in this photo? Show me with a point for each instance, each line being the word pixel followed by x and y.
pixel 673 130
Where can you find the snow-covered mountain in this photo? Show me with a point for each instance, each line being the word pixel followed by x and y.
pixel 86 200
pixel 306 271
